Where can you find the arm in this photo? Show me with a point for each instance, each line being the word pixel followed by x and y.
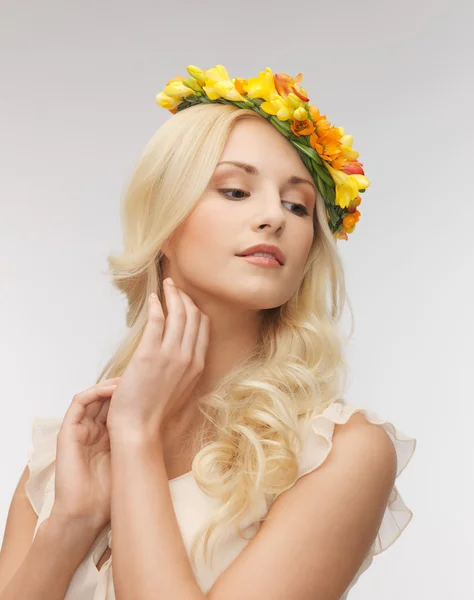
pixel 318 533
pixel 144 526
pixel 57 550
pixel 19 530
pixel 328 521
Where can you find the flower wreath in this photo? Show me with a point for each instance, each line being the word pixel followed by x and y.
pixel 325 149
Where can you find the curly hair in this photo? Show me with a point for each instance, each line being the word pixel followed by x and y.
pixel 259 411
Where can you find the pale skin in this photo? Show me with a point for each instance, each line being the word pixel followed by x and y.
pixel 210 319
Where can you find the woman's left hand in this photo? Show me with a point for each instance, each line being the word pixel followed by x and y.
pixel 164 368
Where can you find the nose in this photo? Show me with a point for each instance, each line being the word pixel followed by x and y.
pixel 270 212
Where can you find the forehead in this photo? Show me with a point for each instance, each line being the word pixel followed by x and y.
pixel 255 141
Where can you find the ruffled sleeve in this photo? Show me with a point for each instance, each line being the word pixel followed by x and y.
pixel 39 487
pixel 87 581
pixel 318 444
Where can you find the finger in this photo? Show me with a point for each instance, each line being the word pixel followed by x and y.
pixel 92 410
pixel 78 408
pixel 176 319
pixel 103 412
pixel 202 341
pixel 193 321
pixel 107 381
pixel 95 393
pixel 94 407
pixel 154 326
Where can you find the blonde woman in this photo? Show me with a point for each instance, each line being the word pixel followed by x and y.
pixel 215 444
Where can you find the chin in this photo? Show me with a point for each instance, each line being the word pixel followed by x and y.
pixel 258 299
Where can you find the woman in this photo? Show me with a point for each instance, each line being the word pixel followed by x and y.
pixel 216 444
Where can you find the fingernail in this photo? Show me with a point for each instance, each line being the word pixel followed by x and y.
pixel 170 281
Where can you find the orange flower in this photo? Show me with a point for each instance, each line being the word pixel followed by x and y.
pixel 285 85
pixel 349 221
pixel 327 146
pixel 353 167
pixel 338 162
pixel 321 124
pixel 240 84
pixel 302 127
pixel 354 204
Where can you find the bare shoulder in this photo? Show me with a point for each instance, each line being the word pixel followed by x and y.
pixel 357 418
pixel 359 449
pixel 19 530
pixel 330 519
pixel 360 443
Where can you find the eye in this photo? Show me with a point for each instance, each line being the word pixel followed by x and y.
pixel 301 208
pixel 225 191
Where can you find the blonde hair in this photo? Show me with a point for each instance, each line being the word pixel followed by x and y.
pixel 260 410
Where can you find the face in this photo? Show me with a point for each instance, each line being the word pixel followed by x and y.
pixel 240 209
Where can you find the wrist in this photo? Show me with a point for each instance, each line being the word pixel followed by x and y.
pixel 78 527
pixel 135 435
pixel 71 541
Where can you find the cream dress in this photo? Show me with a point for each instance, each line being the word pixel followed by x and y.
pixel 192 505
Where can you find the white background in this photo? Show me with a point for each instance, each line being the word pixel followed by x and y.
pixel 77 105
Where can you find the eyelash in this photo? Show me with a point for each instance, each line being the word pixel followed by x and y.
pixel 302 207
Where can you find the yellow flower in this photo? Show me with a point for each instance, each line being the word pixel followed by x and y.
pixel 262 86
pixel 346 146
pixel 294 101
pixel 193 84
pixel 240 85
pixel 279 107
pixel 197 73
pixel 218 73
pixel 166 101
pixel 222 89
pixel 176 89
pixel 219 85
pixel 300 114
pixel 347 186
pixel 283 107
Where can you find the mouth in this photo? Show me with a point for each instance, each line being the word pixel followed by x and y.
pixel 267 250
pixel 263 261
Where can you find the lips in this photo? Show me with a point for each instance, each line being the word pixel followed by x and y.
pixel 268 248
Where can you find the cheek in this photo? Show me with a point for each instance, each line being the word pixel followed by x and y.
pixel 300 247
pixel 208 238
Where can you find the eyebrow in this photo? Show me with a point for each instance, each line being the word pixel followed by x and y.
pixel 252 170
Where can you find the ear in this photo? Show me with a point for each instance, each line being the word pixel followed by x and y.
pixel 165 247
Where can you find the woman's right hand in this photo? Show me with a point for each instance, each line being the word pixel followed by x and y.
pixel 82 476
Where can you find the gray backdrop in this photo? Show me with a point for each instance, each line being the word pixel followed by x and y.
pixel 78 82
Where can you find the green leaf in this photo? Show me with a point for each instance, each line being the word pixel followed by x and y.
pixel 309 151
pixel 324 174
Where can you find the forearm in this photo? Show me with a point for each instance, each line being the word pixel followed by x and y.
pixel 145 530
pixel 56 551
